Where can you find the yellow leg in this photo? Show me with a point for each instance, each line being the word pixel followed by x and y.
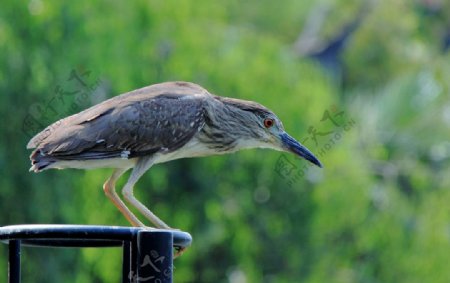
pixel 110 191
pixel 142 165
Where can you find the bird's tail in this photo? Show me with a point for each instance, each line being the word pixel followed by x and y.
pixel 40 161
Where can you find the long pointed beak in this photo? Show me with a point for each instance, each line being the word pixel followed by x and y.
pixel 291 145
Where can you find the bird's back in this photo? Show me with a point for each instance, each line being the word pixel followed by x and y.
pixel 160 117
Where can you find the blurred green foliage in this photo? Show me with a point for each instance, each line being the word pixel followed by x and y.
pixel 379 210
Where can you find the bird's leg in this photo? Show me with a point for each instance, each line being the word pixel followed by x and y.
pixel 110 192
pixel 142 165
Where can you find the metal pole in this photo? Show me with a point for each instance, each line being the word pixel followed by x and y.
pixel 155 256
pixel 126 261
pixel 14 261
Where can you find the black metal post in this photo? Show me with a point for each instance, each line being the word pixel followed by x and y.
pixel 14 261
pixel 126 261
pixel 132 275
pixel 155 256
pixel 147 253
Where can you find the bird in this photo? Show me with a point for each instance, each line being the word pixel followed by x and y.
pixel 157 124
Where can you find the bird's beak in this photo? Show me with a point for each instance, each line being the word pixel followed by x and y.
pixel 291 145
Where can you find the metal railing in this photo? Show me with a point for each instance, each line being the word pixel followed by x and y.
pixel 147 253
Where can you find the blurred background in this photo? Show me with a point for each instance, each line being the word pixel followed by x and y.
pixel 364 84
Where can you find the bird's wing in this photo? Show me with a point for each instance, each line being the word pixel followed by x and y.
pixel 158 119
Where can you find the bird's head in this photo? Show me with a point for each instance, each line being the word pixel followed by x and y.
pixel 264 129
pixel 273 134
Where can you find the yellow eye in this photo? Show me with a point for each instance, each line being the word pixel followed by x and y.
pixel 268 122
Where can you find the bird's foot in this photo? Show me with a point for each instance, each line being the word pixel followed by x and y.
pixel 179 251
pixel 149 227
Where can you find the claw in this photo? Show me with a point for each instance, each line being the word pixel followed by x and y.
pixel 179 251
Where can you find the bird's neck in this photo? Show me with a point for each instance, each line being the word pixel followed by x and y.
pixel 225 128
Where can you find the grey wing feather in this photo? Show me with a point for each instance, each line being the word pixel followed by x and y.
pixel 157 118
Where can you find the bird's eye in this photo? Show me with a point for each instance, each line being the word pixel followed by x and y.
pixel 268 122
